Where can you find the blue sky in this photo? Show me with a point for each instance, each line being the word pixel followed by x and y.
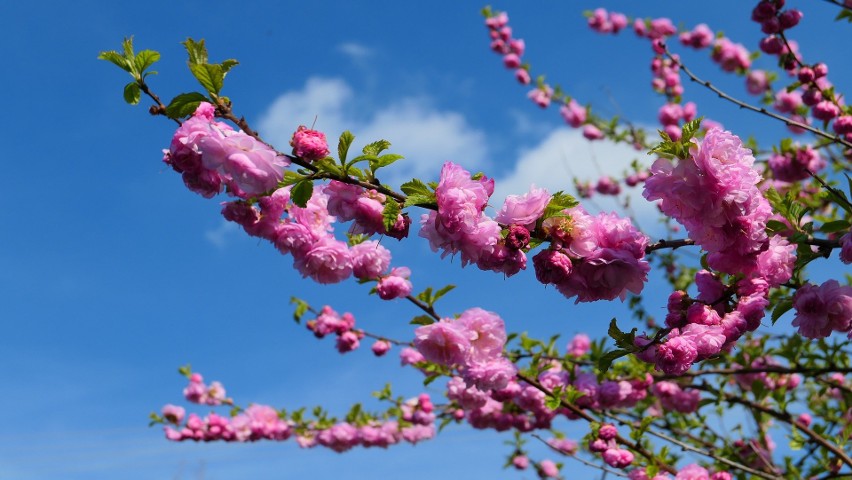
pixel 112 274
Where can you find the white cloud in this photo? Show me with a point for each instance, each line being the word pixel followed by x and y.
pixel 426 135
pixel 355 51
pixel 218 236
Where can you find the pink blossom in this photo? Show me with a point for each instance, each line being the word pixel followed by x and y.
pixel 823 309
pixel 693 472
pixel 700 37
pixel 731 56
pixel 846 248
pixel 486 332
pixel 541 96
pixel 522 76
pixel 579 345
pixel 548 469
pixel 173 413
pixel 309 144
pixel 775 264
pixel 445 342
pixel 410 356
pixel 552 266
pixel 520 462
pixel 490 374
pixel 395 285
pixel 369 259
pixel 573 113
pixel 757 82
pixel 591 132
pixel 787 102
pixel 327 261
pixel 676 355
pixel 380 347
pixel 524 209
pixel 348 341
pixel 251 165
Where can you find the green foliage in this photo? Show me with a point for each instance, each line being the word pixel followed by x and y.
pixel 390 214
pixel 419 194
pixel 184 104
pixel 559 202
pixel 346 139
pixel 302 307
pixel 136 64
pixel 302 192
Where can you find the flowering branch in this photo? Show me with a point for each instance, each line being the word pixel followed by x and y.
pixel 762 110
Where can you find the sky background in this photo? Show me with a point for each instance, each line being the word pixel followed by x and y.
pixel 112 274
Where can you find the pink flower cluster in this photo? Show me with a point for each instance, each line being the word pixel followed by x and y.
pixel 673 398
pixel 602 21
pixel 419 425
pixel 461 226
pixel 261 422
pixel 473 342
pixel 666 76
pixel 257 422
pixel 794 165
pixel 700 37
pixel 512 49
pixel 731 57
pixel 823 309
pixel 714 194
pixel 365 207
pixel 210 155
pixel 307 234
pixel 198 392
pixel 329 321
pixel 689 472
pixel 592 258
pixel 606 445
pixel 671 114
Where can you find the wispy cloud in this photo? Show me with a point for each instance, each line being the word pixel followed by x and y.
pixel 219 236
pixel 355 51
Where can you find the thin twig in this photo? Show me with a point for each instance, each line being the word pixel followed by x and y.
pixel 741 104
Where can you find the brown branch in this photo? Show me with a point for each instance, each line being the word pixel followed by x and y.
pixel 673 244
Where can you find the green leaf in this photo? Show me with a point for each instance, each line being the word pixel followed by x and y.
pixel 622 339
pixel 422 320
pixel 115 58
pixel 431 378
pixel 228 64
pixel 781 308
pixel 145 59
pixel 196 50
pixel 559 202
pixel 385 160
pixel 377 147
pixel 185 370
pixel 606 360
pixel 440 293
pixel 290 178
pixel 302 192
pixel 797 440
pixel 346 139
pixel 390 214
pixel 184 104
pixel 301 308
pixel 132 94
pixel 690 128
pixel 420 200
pixel 211 77
pixel 416 187
pixel 835 226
